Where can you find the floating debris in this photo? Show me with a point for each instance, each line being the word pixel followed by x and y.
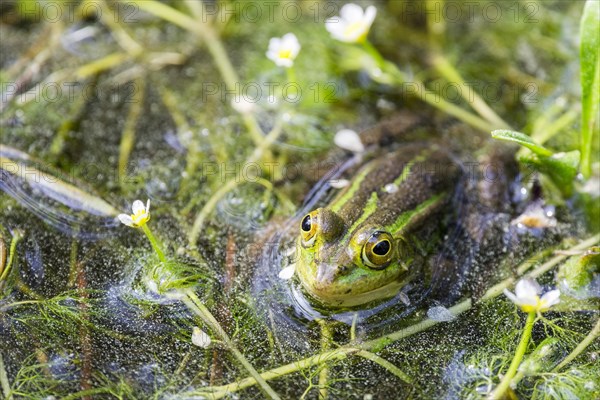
pixel 390 188
pixel 348 139
pixel 287 272
pixel 339 183
pixel 535 218
pixel 200 338
pixel 440 314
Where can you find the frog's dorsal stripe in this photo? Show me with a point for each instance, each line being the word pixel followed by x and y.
pixel 407 170
pixel 369 209
pixel 404 220
pixel 338 203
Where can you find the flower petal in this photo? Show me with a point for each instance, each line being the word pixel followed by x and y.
pixel 138 206
pixel 527 287
pixel 333 25
pixel 551 298
pixel 148 206
pixel 274 44
pixel 352 12
pixel 272 55
pixel 531 301
pixel 125 219
pixel 283 62
pixel 370 14
pixel 511 296
pixel 289 40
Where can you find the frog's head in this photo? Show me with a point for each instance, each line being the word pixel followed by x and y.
pixel 342 267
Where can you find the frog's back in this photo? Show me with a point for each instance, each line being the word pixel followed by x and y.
pixel 403 182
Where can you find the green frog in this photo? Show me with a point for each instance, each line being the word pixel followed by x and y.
pixel 380 232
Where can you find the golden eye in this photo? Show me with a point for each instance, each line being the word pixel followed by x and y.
pixel 378 251
pixel 308 229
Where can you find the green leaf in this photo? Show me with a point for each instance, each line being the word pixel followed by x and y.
pixel 589 32
pixel 522 139
pixel 579 271
pixel 560 167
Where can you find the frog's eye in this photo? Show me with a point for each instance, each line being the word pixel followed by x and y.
pixel 308 229
pixel 378 251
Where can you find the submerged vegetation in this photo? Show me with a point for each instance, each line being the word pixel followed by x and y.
pixel 221 113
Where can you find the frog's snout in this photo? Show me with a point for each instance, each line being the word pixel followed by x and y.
pixel 326 273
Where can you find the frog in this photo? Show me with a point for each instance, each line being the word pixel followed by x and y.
pixel 391 225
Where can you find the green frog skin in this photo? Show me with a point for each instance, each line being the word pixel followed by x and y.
pixel 360 247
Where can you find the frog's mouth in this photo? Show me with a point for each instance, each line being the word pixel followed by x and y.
pixel 324 288
pixel 322 294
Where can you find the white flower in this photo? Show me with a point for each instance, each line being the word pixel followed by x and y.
pixel 200 338
pixel 353 24
pixel 527 296
pixel 141 215
pixel 242 105
pixel 348 139
pixel 283 51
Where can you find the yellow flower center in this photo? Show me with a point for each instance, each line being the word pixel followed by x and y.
pixel 539 306
pixel 140 217
pixel 285 53
pixel 354 28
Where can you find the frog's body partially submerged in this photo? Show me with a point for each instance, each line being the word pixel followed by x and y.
pixel 360 247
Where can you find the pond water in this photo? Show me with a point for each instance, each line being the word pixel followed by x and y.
pixel 230 131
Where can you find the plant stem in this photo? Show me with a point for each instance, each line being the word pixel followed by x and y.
pixel 269 140
pixel 73 262
pixel 95 67
pixel 326 337
pixel 4 383
pixel 419 90
pixel 331 355
pixel 222 391
pixel 128 135
pixel 195 305
pixel 207 209
pixel 13 247
pixel 442 104
pixel 373 52
pixel 385 364
pixel 593 335
pixel 218 195
pixel 291 75
pixel 154 243
pixel 353 328
pixel 214 46
pixel 498 393
pixel 447 70
pixel 495 290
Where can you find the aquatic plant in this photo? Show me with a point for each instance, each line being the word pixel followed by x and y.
pixel 88 309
